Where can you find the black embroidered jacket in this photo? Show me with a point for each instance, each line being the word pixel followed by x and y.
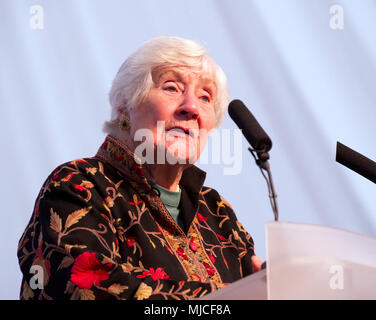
pixel 99 231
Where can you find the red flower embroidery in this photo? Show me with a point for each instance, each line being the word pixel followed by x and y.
pixel 55 176
pixel 135 203
pixel 221 237
pixel 118 157
pixel 181 253
pixel 211 258
pixel 79 187
pixel 196 291
pixel 201 217
pixel 131 241
pixel 155 274
pixel 138 169
pixel 197 276
pixel 192 245
pixel 209 269
pixel 87 270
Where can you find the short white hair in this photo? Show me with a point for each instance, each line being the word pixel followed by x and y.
pixel 134 78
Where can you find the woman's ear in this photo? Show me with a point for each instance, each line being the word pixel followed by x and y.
pixel 122 112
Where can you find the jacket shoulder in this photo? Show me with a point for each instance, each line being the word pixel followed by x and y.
pixel 78 169
pixel 214 199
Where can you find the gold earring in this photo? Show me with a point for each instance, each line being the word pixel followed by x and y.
pixel 124 124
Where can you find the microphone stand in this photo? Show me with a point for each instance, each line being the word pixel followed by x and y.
pixel 262 162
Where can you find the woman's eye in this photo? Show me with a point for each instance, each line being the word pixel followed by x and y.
pixel 205 98
pixel 170 86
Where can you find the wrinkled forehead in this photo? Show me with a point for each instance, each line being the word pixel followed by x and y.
pixel 184 73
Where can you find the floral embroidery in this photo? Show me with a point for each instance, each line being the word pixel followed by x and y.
pixel 79 187
pixel 98 231
pixel 180 252
pixel 131 241
pixel 155 274
pixel 201 217
pixel 209 269
pixel 143 292
pixel 193 245
pixel 87 270
pixel 221 237
pixel 212 259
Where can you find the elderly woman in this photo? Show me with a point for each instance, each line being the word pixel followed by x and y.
pixel 135 221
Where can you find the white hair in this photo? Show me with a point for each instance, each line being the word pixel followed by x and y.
pixel 134 78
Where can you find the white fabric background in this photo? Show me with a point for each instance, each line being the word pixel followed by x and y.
pixel 307 84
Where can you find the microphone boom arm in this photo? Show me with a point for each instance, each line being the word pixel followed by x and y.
pixel 263 163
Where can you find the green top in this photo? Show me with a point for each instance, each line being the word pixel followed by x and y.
pixel 171 200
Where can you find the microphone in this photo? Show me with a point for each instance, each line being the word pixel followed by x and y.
pixel 260 142
pixel 356 162
pixel 251 129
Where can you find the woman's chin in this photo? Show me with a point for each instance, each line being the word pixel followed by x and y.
pixel 181 155
pixel 181 151
pixel 181 158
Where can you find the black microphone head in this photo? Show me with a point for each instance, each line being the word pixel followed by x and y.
pixel 251 129
pixel 356 162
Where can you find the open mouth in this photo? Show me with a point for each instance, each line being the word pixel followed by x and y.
pixel 180 131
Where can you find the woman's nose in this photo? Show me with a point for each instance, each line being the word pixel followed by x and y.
pixel 189 107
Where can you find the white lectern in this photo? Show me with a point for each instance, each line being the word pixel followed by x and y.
pixel 309 262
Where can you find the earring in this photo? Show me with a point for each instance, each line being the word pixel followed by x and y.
pixel 124 124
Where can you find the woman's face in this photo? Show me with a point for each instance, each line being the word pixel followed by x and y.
pixel 178 112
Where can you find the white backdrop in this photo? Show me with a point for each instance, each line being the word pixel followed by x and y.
pixel 308 83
